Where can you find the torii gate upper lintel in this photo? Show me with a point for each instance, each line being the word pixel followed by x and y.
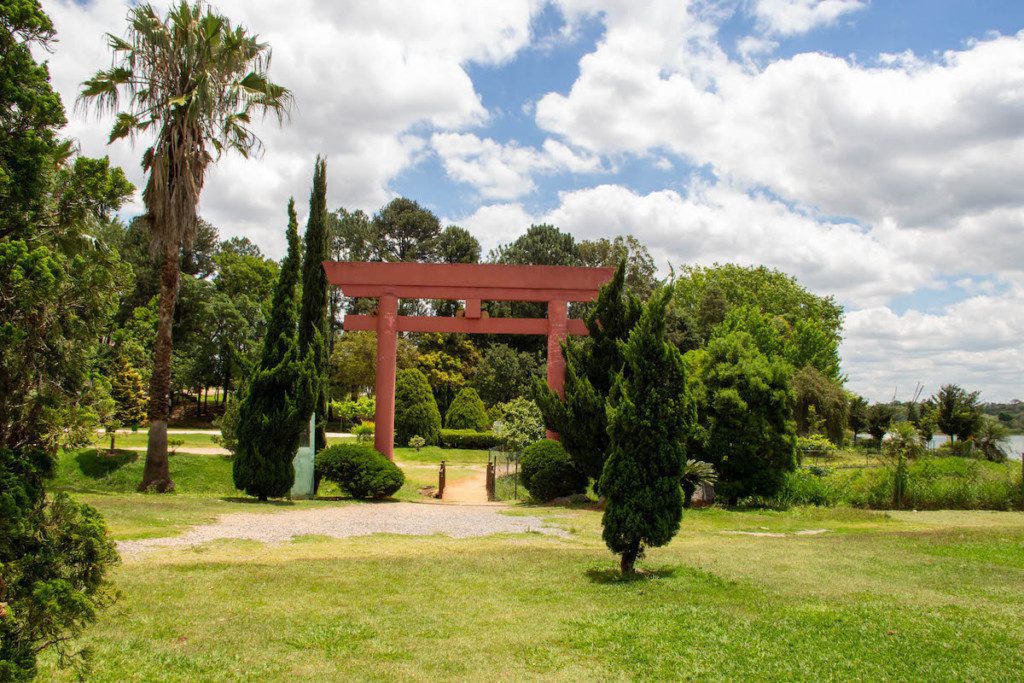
pixel 473 284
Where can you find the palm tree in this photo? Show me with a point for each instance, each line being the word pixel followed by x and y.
pixel 194 82
pixel 992 439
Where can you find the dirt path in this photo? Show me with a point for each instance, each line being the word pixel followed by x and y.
pixel 186 450
pixel 468 490
pixel 409 519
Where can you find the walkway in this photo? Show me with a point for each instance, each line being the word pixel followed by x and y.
pixel 344 521
pixel 468 490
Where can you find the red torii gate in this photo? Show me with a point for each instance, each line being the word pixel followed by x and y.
pixel 471 283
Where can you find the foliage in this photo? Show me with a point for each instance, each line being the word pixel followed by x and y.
pixel 746 416
pixel 469 438
pixel 314 327
pixel 520 425
pixel 705 295
pixel 819 396
pixel 364 432
pixel 351 412
pixel 505 374
pixel 359 470
pixel 591 366
pixel 54 559
pixel 274 412
pixel 448 361
pixel 457 245
pixel 650 416
pixel 991 438
pixel 541 245
pixel 904 444
pixel 467 411
pixel 548 472
pixel 353 363
pixel 404 231
pixel 227 423
pixel 129 394
pixel 814 444
pixel 416 412
pixel 640 270
pixel 417 442
pixel 957 411
pixel 880 417
pixel 804 487
pixel 696 473
pixel 857 416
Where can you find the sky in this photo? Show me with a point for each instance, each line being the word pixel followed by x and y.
pixel 873 149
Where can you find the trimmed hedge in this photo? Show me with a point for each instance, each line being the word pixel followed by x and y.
pixel 548 471
pixel 360 470
pixel 468 438
pixel 416 412
pixel 467 411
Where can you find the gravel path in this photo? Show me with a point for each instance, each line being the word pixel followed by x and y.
pixel 410 519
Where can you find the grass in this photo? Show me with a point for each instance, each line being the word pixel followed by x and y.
pixel 140 439
pixel 879 596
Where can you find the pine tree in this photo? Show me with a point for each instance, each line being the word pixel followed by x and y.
pixel 271 417
pixel 650 416
pixel 590 368
pixel 129 394
pixel 313 321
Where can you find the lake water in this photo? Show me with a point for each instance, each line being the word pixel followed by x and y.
pixel 1015 444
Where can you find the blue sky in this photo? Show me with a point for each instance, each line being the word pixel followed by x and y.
pixel 872 149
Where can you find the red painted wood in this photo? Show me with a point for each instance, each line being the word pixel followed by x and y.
pixel 557 331
pixel 384 415
pixel 473 308
pixel 426 323
pixel 462 281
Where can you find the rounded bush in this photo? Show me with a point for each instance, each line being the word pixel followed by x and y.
pixel 416 412
pixel 360 470
pixel 548 471
pixel 467 411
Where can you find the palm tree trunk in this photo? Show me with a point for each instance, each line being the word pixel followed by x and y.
pixel 157 475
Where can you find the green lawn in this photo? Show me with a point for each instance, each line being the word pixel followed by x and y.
pixel 878 596
pixel 140 439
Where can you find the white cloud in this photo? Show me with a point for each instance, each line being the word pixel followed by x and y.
pixel 791 17
pixel 975 343
pixel 367 78
pixel 505 171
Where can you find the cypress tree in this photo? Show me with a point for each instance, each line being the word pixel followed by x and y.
pixel 129 394
pixel 590 367
pixel 650 415
pixel 467 411
pixel 313 321
pixel 271 417
pixel 416 412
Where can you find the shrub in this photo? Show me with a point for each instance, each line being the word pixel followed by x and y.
pixel 815 445
pixel 548 471
pixel 521 424
pixel 805 487
pixel 359 470
pixel 351 412
pixel 467 411
pixel 416 410
pixel 468 438
pixel 417 442
pixel 364 432
pixel 228 426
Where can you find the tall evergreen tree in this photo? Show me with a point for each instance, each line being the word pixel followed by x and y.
pixel 272 415
pixel 313 320
pixel 590 368
pixel 650 416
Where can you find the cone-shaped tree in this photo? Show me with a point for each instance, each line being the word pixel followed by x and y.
pixel 650 415
pixel 416 412
pixel 314 327
pixel 129 394
pixel 467 411
pixel 271 417
pixel 590 368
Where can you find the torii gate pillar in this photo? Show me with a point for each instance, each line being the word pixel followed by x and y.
pixel 387 342
pixel 473 284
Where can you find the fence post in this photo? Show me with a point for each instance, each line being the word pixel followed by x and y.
pixel 440 481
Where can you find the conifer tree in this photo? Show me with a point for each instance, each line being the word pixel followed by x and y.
pixel 313 320
pixel 129 394
pixel 591 365
pixel 271 417
pixel 650 416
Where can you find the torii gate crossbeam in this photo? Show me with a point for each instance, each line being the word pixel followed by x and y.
pixel 473 284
